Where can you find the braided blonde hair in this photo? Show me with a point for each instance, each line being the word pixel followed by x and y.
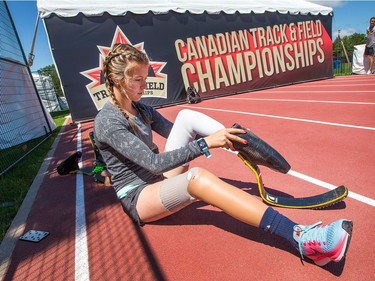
pixel 114 70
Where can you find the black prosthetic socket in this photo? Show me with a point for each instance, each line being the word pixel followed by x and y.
pixel 258 152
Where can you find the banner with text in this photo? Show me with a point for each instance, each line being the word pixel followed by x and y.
pixel 217 54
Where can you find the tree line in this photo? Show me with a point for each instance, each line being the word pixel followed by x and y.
pixel 50 71
pixel 349 42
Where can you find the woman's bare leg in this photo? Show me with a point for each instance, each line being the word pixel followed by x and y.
pixel 371 60
pixel 149 205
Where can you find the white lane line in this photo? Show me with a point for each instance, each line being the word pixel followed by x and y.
pixel 329 186
pixel 312 101
pixel 281 117
pixel 81 252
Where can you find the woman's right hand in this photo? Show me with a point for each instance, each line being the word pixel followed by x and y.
pixel 224 138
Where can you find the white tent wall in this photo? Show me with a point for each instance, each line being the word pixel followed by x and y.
pixel 360 62
pixel 219 47
pixel 22 115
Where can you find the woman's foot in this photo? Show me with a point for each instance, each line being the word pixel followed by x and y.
pixel 324 244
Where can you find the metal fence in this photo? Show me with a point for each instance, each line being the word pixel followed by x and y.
pixel 342 63
pixel 24 123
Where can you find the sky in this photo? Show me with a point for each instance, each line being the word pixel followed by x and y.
pixel 349 17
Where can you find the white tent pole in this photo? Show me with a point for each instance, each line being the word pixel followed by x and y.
pixel 30 60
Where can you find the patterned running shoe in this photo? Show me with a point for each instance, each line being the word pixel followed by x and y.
pixel 323 244
pixel 258 152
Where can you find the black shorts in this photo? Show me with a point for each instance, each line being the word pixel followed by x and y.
pixel 369 51
pixel 129 204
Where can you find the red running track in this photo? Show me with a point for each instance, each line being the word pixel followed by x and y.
pixel 325 129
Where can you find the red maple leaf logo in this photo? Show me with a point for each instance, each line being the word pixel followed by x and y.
pixel 95 74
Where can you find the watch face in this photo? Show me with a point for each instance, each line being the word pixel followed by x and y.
pixel 203 147
pixel 202 144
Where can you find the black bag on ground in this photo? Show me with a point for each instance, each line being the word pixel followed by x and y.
pixel 69 164
pixel 192 95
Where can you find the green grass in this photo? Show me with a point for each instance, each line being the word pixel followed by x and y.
pixel 15 183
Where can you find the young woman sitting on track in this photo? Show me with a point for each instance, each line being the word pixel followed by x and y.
pixel 153 185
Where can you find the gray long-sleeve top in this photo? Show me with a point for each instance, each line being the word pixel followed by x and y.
pixel 133 159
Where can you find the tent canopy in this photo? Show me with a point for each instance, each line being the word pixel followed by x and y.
pixel 70 8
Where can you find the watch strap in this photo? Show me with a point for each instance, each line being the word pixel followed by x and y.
pixel 204 147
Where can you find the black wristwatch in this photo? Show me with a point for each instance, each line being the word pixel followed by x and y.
pixel 204 148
